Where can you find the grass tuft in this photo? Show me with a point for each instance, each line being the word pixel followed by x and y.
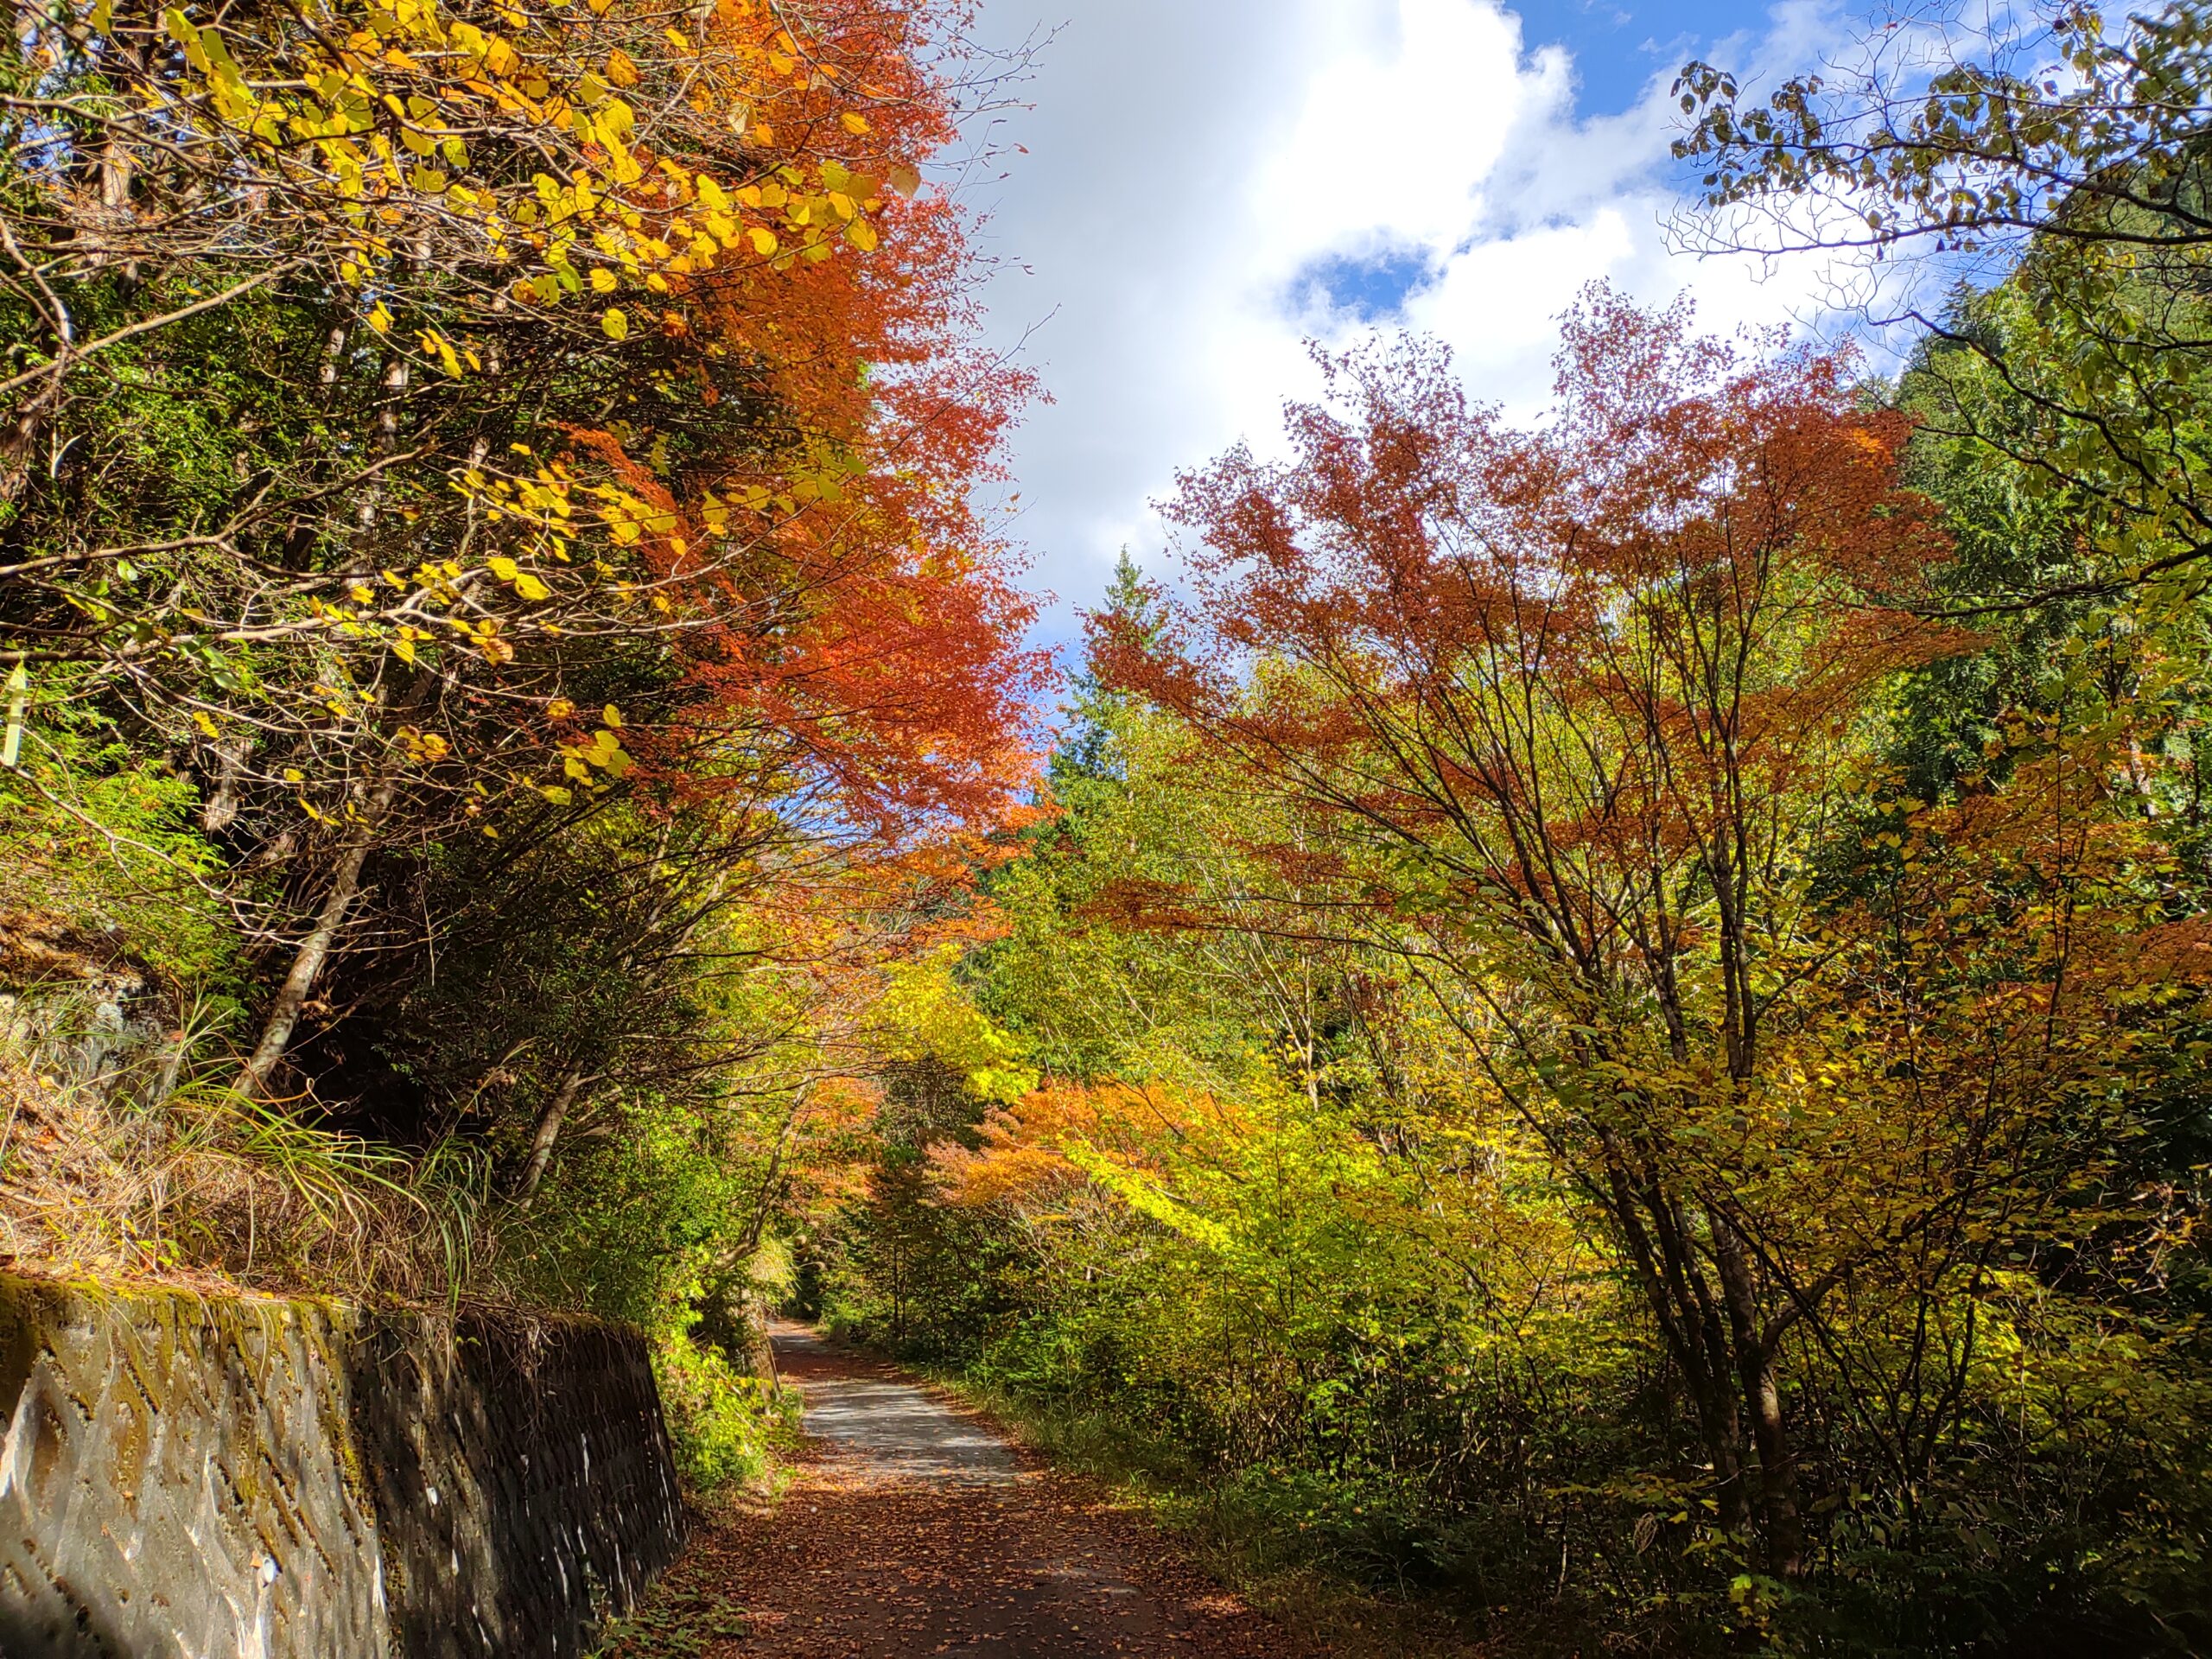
pixel 131 1155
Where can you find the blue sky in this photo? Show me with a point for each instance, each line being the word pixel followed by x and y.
pixel 1619 47
pixel 1197 188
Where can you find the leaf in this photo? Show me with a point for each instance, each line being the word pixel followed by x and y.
pixel 621 69
pixel 861 235
pixel 854 123
pixel 504 569
pixel 612 715
pixel 181 31
pixel 616 325
pixel 602 279
pixel 764 241
pixel 531 587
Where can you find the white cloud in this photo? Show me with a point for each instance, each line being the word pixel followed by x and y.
pixel 1190 160
pixel 1404 114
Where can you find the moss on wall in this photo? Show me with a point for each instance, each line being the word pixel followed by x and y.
pixel 184 1475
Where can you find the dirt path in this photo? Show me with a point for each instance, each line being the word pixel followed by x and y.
pixel 912 1528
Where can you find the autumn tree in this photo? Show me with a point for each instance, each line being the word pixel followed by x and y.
pixel 1582 706
pixel 2042 183
pixel 433 402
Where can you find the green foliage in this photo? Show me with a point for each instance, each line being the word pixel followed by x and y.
pixel 633 1224
pixel 97 838
pixel 653 1226
pixel 926 1014
pixel 892 1266
pixel 2066 162
pixel 726 1423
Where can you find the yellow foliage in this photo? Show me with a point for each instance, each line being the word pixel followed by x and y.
pixel 925 1014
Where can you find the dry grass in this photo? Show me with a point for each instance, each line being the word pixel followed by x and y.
pixel 124 1152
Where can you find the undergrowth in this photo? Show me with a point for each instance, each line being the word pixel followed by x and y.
pixel 126 1153
pixel 727 1425
pixel 681 1616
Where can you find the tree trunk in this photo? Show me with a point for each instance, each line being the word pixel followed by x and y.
pixel 19 441
pixel 1674 1286
pixel 548 1131
pixel 333 357
pixel 222 809
pixel 306 962
pixel 396 373
pixel 1762 1389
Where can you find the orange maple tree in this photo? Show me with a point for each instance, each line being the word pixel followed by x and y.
pixel 834 595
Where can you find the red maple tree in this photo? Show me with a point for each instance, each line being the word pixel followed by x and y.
pixel 1559 709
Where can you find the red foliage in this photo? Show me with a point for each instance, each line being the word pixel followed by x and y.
pixel 853 630
pixel 1558 652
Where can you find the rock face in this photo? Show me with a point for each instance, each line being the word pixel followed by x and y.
pixel 196 1477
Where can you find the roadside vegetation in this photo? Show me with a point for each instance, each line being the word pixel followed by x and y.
pixel 499 663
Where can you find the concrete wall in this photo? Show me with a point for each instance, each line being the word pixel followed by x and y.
pixel 190 1477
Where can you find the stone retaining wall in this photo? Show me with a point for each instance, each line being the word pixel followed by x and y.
pixel 188 1477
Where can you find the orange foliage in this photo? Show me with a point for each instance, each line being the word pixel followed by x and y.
pixel 1588 648
pixel 1022 1157
pixel 846 624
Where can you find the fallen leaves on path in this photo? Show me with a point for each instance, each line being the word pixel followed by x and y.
pixel 852 1564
